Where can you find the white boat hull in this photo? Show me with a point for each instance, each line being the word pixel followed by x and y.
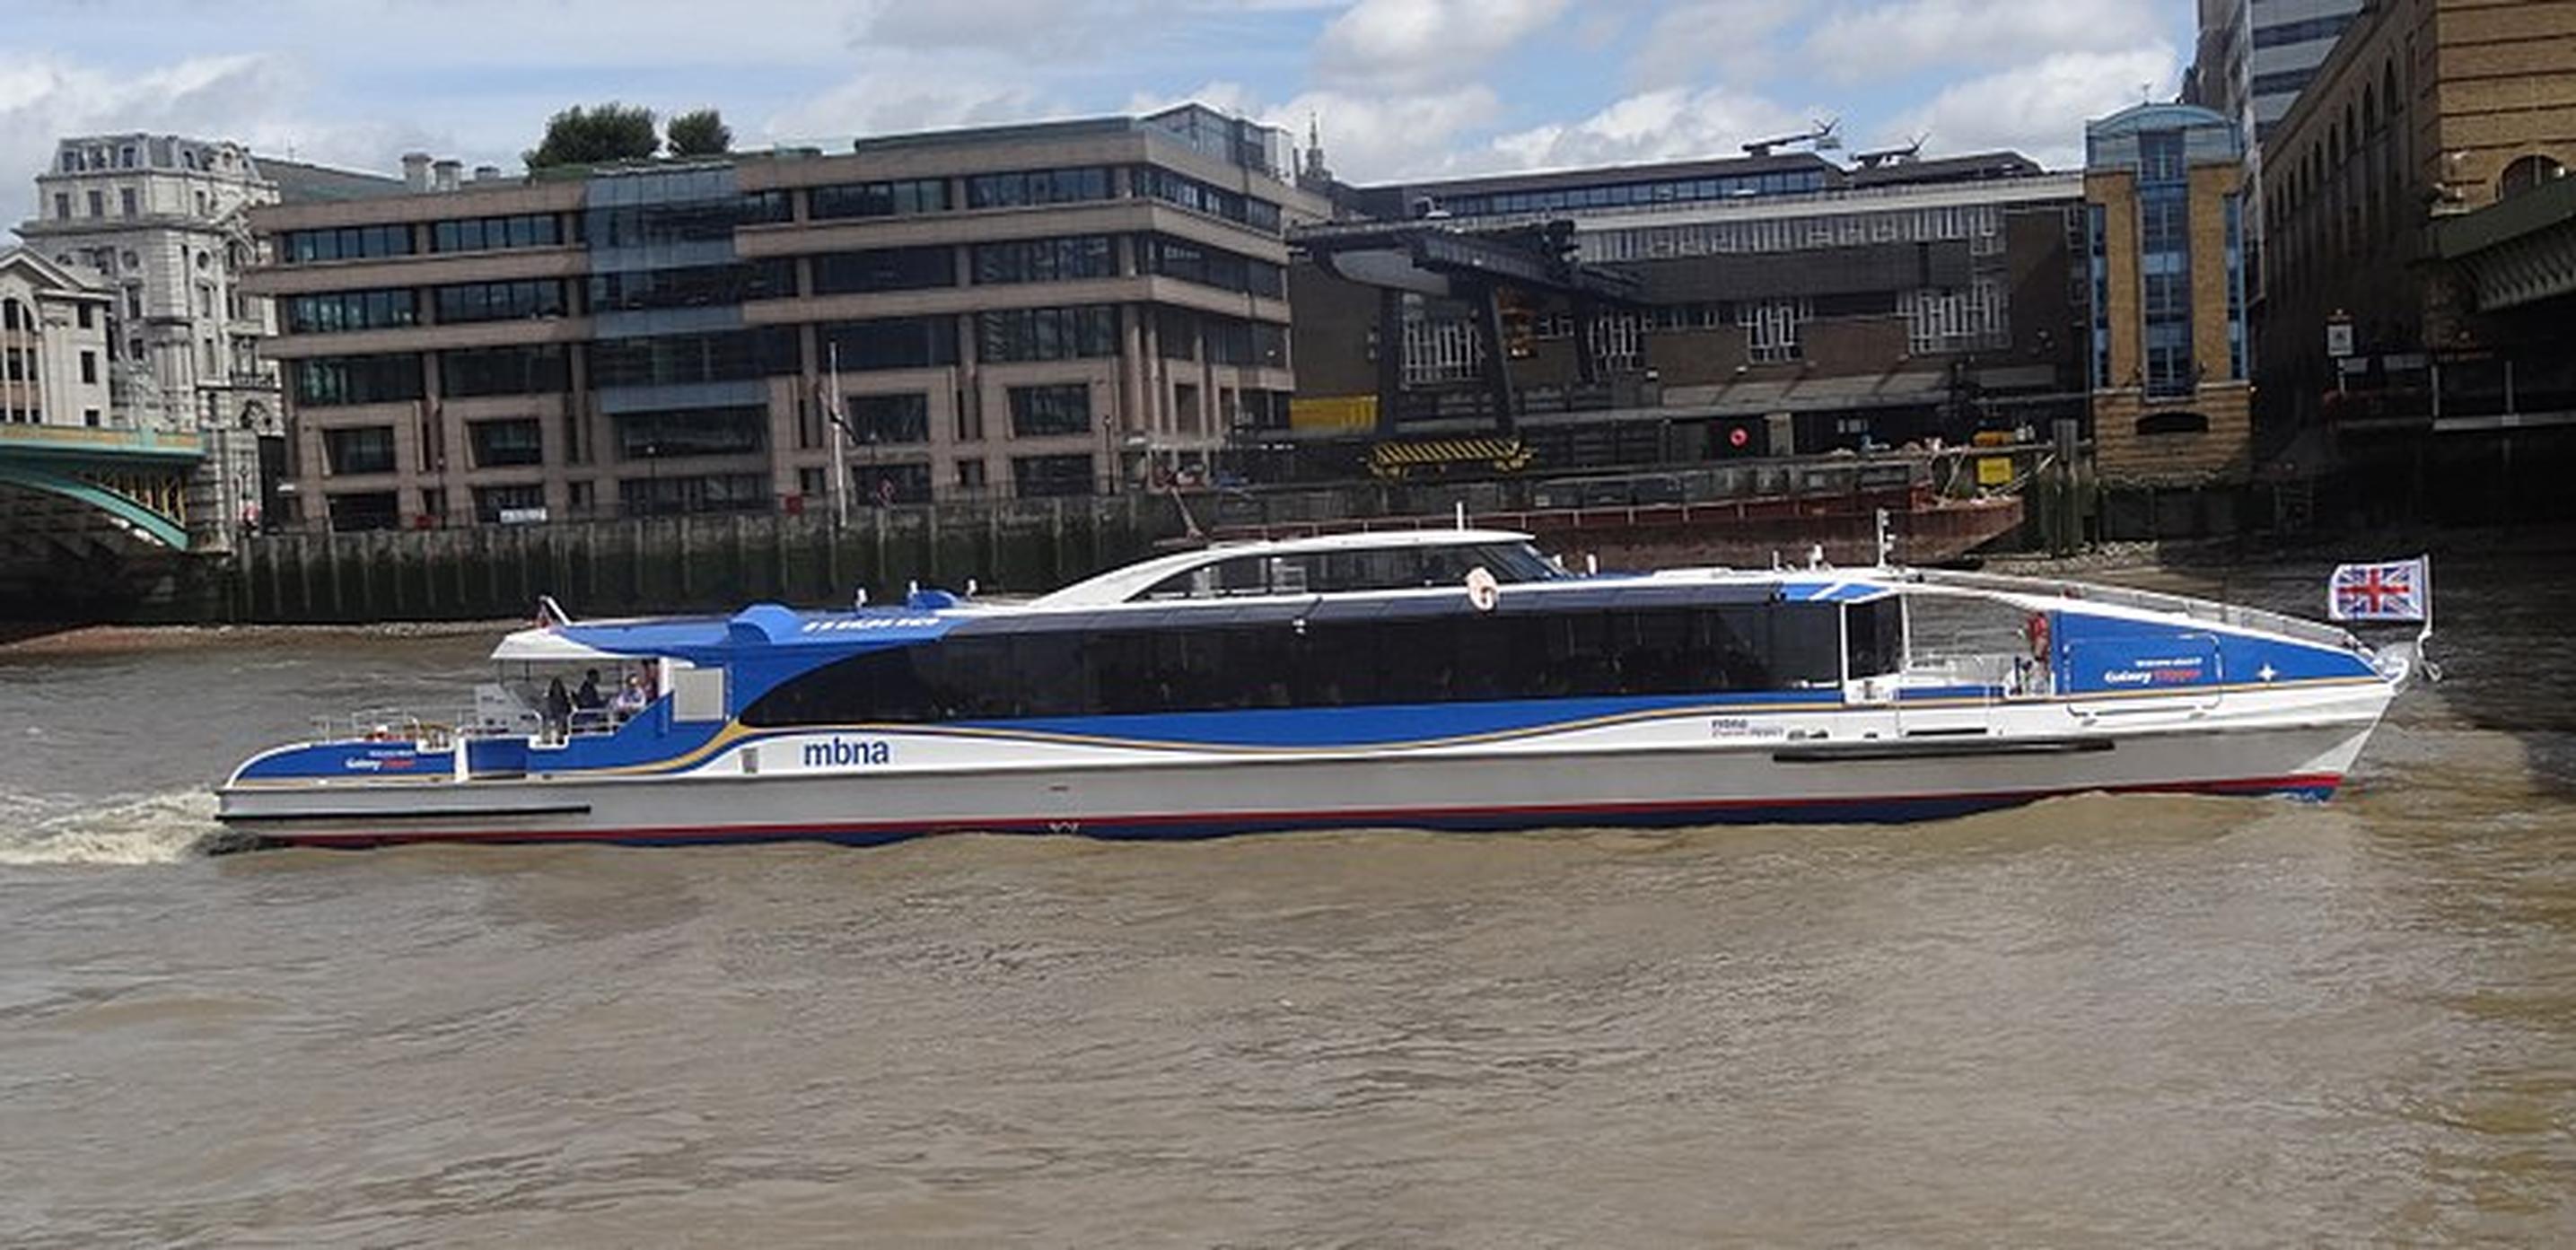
pixel 1705 765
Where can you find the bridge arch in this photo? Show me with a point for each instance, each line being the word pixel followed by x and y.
pixel 138 519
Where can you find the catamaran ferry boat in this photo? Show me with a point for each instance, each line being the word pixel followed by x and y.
pixel 1446 679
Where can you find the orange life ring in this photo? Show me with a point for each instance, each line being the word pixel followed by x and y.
pixel 2037 628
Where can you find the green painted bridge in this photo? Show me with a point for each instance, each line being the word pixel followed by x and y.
pixel 71 493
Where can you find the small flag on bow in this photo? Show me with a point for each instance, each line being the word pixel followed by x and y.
pixel 2399 590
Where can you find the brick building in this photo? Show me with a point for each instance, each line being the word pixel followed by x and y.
pixel 2165 257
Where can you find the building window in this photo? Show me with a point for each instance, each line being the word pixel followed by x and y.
pixel 498 444
pixel 2173 423
pixel 89 367
pixel 692 432
pixel 731 356
pixel 1035 477
pixel 1050 411
pixel 359 449
pixel 2164 264
pixel 126 201
pixel 894 418
pixel 1192 262
pixel 501 371
pixel 510 505
pixel 885 269
pixel 695 286
pixel 708 492
pixel 1037 186
pixel 889 343
pixel 1047 333
pixel 349 310
pixel 468 302
pixel 2528 173
pixel 2099 281
pixel 1772 328
pixel 489 234
pixel 1154 182
pixel 303 247
pixel 89 417
pixel 365 510
pixel 98 203
pixel 1045 260
pixel 88 316
pixel 332 380
pixel 878 199
pixel 62 205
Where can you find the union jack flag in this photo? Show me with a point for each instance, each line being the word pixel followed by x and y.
pixel 2395 591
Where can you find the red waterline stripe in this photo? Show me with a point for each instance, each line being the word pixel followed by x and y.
pixel 1344 817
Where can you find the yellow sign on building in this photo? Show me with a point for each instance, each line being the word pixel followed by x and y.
pixel 1994 471
pixel 1333 412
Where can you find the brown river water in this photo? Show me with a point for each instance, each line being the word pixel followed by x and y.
pixel 2135 1020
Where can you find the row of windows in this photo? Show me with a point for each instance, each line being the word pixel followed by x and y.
pixel 693 286
pixel 1979 225
pixel 2303 31
pixel 1047 333
pixel 1453 657
pixel 502 371
pixel 1190 262
pixel 889 343
pixel 884 269
pixel 501 301
pixel 1386 568
pixel 1154 182
pixel 1045 260
pixel 878 199
pixel 1622 195
pixel 902 417
pixel 1037 186
pixel 328 380
pixel 300 247
pixel 676 359
pixel 692 432
pixel 487 234
pixel 350 310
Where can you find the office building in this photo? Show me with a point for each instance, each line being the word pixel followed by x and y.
pixel 1034 310
pixel 2255 56
pixel 2165 259
pixel 1776 303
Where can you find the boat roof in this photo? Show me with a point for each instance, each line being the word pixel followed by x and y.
pixel 1120 584
pixel 1109 599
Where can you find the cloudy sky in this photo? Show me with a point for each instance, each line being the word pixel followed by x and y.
pixel 1400 87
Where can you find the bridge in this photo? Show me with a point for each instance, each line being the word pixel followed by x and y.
pixel 73 495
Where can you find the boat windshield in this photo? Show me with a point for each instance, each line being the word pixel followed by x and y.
pixel 1359 568
pixel 557 701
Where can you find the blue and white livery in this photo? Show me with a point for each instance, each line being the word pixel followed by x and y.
pixel 1436 679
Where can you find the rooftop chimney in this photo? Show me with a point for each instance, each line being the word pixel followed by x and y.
pixel 416 171
pixel 443 174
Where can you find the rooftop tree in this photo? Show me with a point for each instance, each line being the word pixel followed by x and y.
pixel 699 133
pixel 596 136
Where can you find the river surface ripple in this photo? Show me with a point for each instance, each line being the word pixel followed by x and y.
pixel 2099 1020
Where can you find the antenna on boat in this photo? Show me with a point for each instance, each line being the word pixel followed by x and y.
pixel 1815 555
pixel 1886 545
pixel 1461 507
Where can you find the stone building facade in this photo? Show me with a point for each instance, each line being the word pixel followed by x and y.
pixel 1030 310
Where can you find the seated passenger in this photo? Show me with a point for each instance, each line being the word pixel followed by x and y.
pixel 588 697
pixel 631 699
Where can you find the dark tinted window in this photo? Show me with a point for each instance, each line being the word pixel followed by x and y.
pixel 1439 656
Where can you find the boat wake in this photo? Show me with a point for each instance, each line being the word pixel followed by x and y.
pixel 154 829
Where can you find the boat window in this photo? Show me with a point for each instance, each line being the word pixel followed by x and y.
pixel 1355 569
pixel 698 694
pixel 1874 637
pixel 1225 664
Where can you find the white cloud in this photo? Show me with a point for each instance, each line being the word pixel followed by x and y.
pixel 257 100
pixel 1700 41
pixel 1399 46
pixel 1367 138
pixel 1856 45
pixel 2039 109
pixel 1671 123
pixel 897 98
